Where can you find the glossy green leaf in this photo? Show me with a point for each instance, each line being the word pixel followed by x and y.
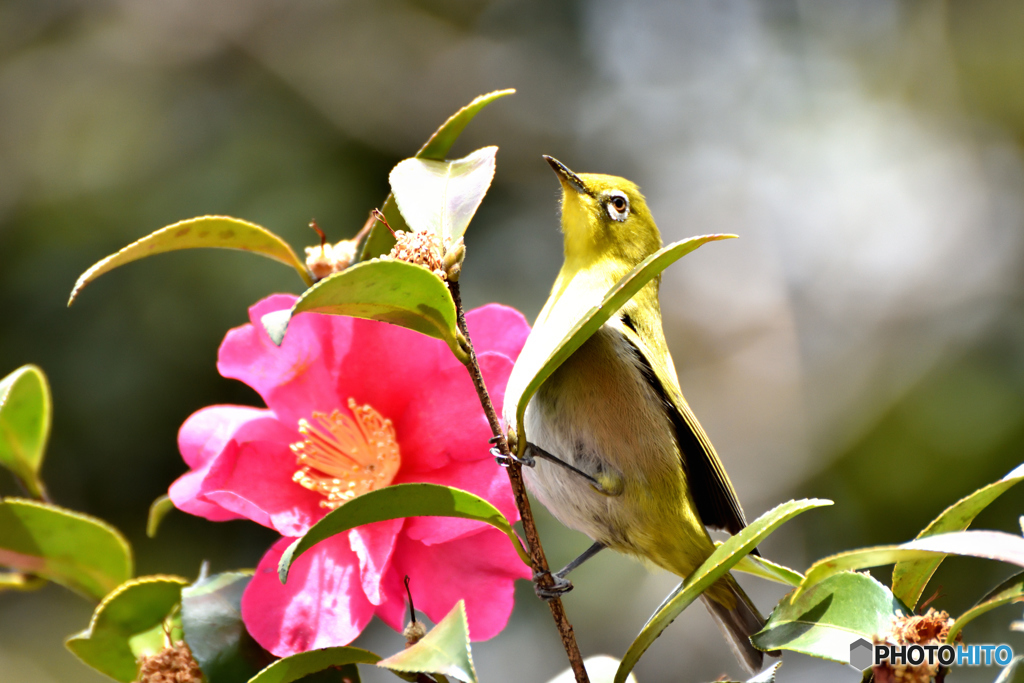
pixel 158 509
pixel 25 408
pixel 297 666
pixel 347 673
pixel 910 578
pixel 444 650
pixel 396 502
pixel 768 675
pixel 132 608
pixel 991 545
pixel 380 240
pixel 826 619
pixel 211 616
pixel 221 232
pixel 766 569
pixel 1008 591
pixel 600 669
pixel 441 197
pixel 394 292
pixel 718 563
pixel 534 367
pixel 1014 671
pixel 80 552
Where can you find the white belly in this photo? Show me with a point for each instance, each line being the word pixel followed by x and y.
pixel 598 412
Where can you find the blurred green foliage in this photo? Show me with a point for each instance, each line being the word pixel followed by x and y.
pixel 118 118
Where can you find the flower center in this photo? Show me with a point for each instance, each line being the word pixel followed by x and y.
pixel 342 457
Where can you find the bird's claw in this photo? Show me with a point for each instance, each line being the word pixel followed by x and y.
pixel 506 460
pixel 559 586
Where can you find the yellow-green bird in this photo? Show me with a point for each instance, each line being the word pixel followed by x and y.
pixel 616 451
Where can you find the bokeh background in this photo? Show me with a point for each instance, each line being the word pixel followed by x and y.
pixel 863 340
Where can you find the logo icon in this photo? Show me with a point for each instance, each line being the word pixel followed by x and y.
pixel 861 654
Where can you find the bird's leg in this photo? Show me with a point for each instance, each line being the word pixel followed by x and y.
pixel 608 483
pixel 561 584
pixel 506 460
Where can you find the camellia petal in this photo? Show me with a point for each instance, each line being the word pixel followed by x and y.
pixel 479 569
pixel 249 483
pixel 498 329
pixel 427 426
pixel 201 440
pixel 388 365
pixel 322 605
pixel 207 431
pixel 354 405
pixel 185 491
pixel 374 545
pixel 208 437
pixel 298 374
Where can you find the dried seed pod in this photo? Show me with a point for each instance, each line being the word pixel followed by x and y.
pixel 174 664
pixel 326 259
pixel 414 632
pixel 422 249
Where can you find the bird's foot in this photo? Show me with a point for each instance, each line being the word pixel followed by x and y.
pixel 506 460
pixel 559 586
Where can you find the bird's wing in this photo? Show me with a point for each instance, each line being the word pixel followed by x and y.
pixel 712 492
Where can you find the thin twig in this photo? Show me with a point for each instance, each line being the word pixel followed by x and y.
pixel 515 475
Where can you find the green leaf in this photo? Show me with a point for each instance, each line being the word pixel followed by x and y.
pixel 444 650
pixel 992 545
pixel 534 367
pixel 211 616
pixel 380 240
pixel 768 675
pixel 222 232
pixel 600 669
pixel 132 608
pixel 441 197
pixel 1008 591
pixel 766 569
pixel 825 620
pixel 718 563
pixel 396 502
pixel 25 408
pixel 80 552
pixel 158 509
pixel 394 292
pixel 1014 671
pixel 910 578
pixel 295 667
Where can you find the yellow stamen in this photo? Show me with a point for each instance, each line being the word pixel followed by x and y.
pixel 342 457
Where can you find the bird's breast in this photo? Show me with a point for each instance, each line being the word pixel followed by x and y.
pixel 598 413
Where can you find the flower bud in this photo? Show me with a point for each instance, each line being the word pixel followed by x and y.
pixel 453 258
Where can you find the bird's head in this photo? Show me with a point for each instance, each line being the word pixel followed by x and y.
pixel 604 217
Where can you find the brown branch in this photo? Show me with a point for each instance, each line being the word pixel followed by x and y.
pixel 515 476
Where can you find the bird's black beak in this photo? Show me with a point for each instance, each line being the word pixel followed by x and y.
pixel 567 177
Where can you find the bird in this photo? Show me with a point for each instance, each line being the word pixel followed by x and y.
pixel 614 450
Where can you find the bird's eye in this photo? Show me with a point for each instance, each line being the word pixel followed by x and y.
pixel 618 206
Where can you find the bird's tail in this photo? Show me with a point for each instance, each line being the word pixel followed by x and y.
pixel 738 622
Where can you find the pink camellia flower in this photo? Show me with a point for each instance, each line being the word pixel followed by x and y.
pixel 355 405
